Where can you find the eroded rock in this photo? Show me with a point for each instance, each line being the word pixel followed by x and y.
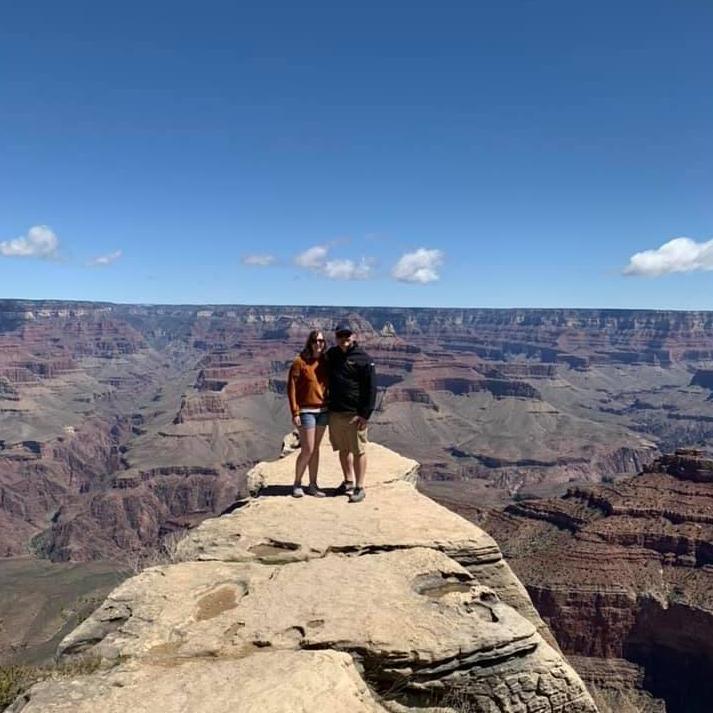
pixel 278 530
pixel 389 609
pixel 269 682
pixel 408 595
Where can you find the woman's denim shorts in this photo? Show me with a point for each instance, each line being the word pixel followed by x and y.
pixel 311 420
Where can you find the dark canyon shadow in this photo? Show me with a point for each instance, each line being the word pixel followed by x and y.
pixel 675 647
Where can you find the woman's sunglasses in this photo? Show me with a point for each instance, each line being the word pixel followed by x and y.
pixel 318 341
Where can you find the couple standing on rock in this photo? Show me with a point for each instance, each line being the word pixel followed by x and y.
pixel 335 388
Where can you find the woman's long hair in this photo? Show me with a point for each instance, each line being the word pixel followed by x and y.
pixel 306 353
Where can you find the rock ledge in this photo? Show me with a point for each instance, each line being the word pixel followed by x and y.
pixel 285 605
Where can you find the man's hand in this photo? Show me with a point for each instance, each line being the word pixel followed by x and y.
pixel 297 421
pixel 361 422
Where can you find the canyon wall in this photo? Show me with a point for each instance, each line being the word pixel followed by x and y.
pixel 623 575
pixel 120 424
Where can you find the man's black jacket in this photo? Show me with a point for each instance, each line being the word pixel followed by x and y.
pixel 352 381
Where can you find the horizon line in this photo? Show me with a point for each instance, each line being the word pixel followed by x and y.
pixel 229 305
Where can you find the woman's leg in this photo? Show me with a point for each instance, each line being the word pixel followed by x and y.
pixel 314 460
pixel 306 450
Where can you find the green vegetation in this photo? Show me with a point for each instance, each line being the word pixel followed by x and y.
pixel 16 679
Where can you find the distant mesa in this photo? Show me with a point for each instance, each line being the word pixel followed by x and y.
pixel 204 407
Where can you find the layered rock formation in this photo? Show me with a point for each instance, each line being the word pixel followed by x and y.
pixel 120 424
pixel 623 575
pixel 284 605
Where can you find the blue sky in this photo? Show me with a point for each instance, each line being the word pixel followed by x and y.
pixel 377 153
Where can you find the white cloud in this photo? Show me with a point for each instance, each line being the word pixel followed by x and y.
pixel 419 266
pixel 104 260
pixel 315 259
pixel 40 242
pixel 259 260
pixel 677 255
pixel 347 269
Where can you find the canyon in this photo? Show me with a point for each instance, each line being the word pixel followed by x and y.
pixel 125 426
pixel 623 573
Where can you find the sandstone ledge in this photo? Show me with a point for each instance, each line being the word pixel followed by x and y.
pixel 385 466
pixel 270 682
pixel 320 605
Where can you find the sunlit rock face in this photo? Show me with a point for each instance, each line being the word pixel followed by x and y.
pixel 623 572
pixel 400 604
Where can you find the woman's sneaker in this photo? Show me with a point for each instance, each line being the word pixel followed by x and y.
pixel 315 491
pixel 297 491
pixel 346 487
pixel 357 496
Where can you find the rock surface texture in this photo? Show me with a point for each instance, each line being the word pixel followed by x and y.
pixel 394 604
pixel 623 574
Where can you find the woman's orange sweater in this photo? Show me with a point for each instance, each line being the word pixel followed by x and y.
pixel 307 384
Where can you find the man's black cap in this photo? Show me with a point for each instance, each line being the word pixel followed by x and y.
pixel 343 327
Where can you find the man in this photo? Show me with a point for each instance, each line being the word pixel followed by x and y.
pixel 352 395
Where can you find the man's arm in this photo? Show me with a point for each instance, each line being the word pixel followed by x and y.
pixel 367 389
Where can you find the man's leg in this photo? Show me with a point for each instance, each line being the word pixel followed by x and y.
pixel 360 469
pixel 339 438
pixel 359 450
pixel 347 463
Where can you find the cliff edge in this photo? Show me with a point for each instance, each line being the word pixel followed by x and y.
pixel 311 605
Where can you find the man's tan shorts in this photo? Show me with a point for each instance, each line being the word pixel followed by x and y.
pixel 344 435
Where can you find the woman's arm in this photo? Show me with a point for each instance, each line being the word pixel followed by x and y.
pixel 292 388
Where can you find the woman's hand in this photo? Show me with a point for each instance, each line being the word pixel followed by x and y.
pixel 297 421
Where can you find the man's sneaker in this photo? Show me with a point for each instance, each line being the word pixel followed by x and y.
pixel 357 496
pixel 346 487
pixel 315 491
pixel 297 491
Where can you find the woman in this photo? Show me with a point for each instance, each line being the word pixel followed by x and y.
pixel 307 392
